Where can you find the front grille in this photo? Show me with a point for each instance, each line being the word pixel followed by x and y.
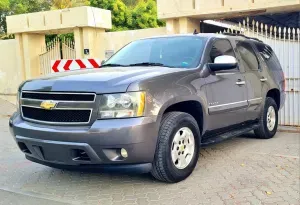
pixel 59 96
pixel 69 108
pixel 56 116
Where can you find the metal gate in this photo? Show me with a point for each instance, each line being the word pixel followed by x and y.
pixel 56 50
pixel 68 49
pixel 286 44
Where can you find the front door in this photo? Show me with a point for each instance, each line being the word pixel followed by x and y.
pixel 226 91
pixel 254 78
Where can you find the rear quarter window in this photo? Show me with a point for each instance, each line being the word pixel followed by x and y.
pixel 267 54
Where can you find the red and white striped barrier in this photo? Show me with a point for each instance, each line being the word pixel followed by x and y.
pixel 75 64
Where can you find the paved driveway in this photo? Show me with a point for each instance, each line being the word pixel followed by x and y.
pixel 243 170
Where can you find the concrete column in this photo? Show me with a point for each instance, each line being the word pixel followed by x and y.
pixel 28 50
pixel 188 25
pixel 172 26
pixel 78 37
pixel 20 56
pixel 182 25
pixel 92 39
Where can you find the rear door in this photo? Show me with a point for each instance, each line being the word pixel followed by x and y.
pixel 226 90
pixel 253 76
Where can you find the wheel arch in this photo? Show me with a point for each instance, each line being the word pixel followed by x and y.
pixel 191 106
pixel 275 94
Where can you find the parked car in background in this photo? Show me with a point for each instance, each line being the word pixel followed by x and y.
pixel 152 105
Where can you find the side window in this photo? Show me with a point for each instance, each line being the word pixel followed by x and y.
pixel 221 47
pixel 248 56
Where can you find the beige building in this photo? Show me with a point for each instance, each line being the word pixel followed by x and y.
pixel 216 9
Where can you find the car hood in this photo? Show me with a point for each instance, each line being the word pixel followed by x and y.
pixel 102 80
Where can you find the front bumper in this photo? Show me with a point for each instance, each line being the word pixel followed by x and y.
pixel 117 168
pixel 79 146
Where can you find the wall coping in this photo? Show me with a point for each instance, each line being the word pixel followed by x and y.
pixel 59 21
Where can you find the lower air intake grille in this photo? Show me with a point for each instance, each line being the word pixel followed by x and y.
pixel 56 116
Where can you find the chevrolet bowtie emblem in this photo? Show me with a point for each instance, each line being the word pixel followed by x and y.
pixel 48 104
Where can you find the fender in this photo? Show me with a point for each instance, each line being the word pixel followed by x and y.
pixel 179 99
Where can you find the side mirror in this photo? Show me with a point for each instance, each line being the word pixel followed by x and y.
pixel 223 63
pixel 102 62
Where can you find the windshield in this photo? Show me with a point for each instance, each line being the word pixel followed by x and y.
pixel 178 52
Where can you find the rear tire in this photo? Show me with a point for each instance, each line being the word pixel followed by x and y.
pixel 268 120
pixel 178 147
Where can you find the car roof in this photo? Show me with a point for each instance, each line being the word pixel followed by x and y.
pixel 208 35
pixel 205 35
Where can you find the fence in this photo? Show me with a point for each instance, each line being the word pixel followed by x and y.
pixel 286 44
pixel 56 50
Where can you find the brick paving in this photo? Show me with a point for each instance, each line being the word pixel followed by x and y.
pixel 240 171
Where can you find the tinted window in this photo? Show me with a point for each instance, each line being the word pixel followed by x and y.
pixel 248 56
pixel 221 47
pixel 180 52
pixel 268 56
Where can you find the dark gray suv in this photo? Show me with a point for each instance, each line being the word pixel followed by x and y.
pixel 152 106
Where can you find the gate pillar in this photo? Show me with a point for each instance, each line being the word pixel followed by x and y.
pixel 89 42
pixel 28 49
pixel 182 25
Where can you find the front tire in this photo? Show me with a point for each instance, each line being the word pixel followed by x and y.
pixel 268 120
pixel 177 148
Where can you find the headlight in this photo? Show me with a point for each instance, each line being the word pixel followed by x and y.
pixel 122 105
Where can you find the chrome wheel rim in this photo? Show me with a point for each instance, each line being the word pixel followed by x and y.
pixel 183 148
pixel 271 118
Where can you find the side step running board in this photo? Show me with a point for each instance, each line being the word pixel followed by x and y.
pixel 228 135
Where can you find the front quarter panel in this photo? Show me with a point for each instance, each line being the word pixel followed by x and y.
pixel 164 91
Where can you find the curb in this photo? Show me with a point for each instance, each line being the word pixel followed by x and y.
pixel 289 129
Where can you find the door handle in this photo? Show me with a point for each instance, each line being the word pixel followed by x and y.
pixel 239 82
pixel 263 79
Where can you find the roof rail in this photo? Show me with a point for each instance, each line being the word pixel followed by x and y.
pixel 242 35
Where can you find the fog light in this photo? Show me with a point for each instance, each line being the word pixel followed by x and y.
pixel 124 153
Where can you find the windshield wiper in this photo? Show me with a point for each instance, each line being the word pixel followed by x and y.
pixel 150 64
pixel 135 64
pixel 112 65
